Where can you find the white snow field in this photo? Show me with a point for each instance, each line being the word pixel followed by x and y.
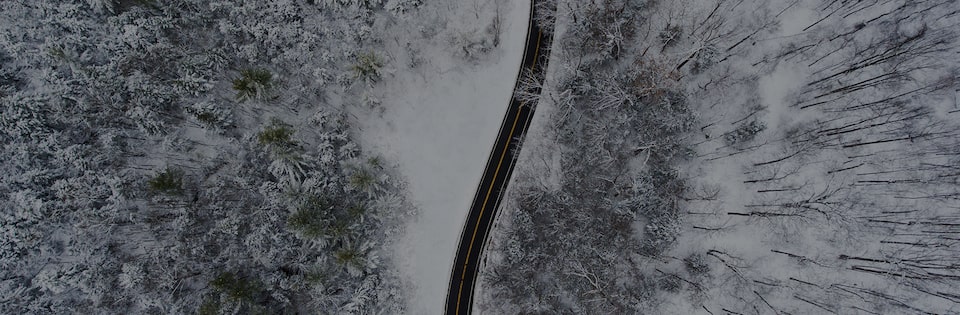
pixel 438 119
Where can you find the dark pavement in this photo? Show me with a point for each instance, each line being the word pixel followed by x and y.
pixel 496 175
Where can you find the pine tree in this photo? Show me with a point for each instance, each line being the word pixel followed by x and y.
pixel 169 182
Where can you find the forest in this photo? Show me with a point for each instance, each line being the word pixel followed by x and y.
pixel 688 157
pixel 738 157
pixel 181 157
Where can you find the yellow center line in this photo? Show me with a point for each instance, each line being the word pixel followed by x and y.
pixel 476 227
pixel 536 50
pixel 483 207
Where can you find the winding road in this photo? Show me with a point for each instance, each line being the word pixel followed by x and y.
pixel 496 175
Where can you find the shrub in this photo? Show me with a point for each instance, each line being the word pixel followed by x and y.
pixel 659 236
pixel 252 83
pixel 367 4
pixel 348 256
pixel 205 117
pixel 375 162
pixel 210 306
pixel 707 57
pixel 357 210
pixel 545 15
pixel 670 283
pixel 398 7
pixel 744 132
pixel 170 182
pixel 277 134
pixel 315 276
pixel 310 219
pixel 210 116
pixel 696 265
pixel 670 35
pixel 362 180
pixel 124 5
pixel 368 67
pixel 238 289
pixel 339 229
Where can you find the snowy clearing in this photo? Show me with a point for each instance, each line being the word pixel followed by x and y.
pixel 438 121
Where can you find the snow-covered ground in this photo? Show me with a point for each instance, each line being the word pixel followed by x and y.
pixel 438 117
pixel 809 179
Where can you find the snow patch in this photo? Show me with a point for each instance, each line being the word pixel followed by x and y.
pixel 796 19
pixel 776 88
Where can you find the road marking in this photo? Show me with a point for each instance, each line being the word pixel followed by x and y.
pixel 483 207
pixel 537 51
pixel 499 132
pixel 496 172
pixel 499 163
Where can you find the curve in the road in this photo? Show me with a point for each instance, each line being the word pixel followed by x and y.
pixel 496 175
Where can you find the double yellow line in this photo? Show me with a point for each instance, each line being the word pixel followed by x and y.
pixel 496 172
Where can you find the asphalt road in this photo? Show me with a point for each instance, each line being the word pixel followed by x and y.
pixel 496 175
